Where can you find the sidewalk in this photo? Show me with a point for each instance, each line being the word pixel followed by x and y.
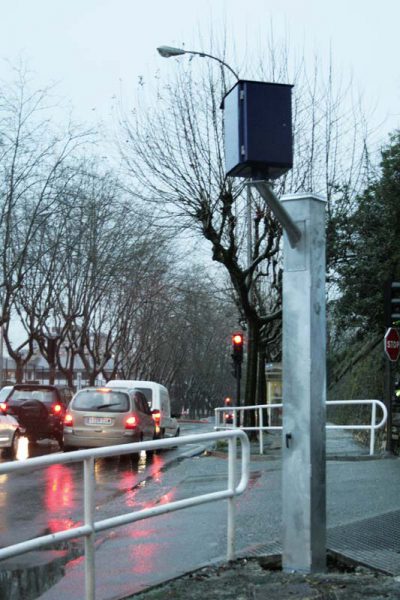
pixel 340 445
pixel 261 577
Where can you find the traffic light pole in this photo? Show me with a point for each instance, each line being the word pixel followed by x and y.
pixel 238 382
pixel 389 392
pixel 392 319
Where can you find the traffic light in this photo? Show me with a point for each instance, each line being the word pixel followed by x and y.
pixel 227 401
pixel 392 303
pixel 237 348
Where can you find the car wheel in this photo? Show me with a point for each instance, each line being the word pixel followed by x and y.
pixel 12 451
pixel 60 441
pixel 68 448
pixel 15 444
pixel 135 455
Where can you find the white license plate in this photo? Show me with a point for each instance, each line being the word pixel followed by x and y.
pixel 98 421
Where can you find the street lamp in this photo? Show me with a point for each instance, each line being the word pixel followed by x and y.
pixel 168 51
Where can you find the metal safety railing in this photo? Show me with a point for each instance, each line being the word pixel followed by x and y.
pixel 91 526
pixel 237 416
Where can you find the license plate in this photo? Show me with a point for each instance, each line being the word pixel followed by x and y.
pixel 98 421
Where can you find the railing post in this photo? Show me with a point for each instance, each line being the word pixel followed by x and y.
pixel 261 425
pixel 372 434
pixel 89 484
pixel 232 447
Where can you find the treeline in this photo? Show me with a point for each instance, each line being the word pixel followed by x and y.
pixel 88 274
pixel 368 256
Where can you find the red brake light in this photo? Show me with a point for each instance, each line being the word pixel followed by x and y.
pixel 68 420
pixel 3 407
pixel 57 408
pixel 156 414
pixel 130 422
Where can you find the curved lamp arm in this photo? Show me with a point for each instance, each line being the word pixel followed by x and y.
pixel 168 51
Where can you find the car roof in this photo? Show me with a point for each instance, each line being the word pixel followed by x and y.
pixel 34 386
pixel 105 389
pixel 137 383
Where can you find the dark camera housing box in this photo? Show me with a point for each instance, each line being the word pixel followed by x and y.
pixel 258 129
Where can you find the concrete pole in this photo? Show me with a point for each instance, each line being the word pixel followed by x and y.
pixel 304 389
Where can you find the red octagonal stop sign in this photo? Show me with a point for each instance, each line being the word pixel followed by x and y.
pixel 392 344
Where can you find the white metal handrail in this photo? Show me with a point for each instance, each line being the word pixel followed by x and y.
pixel 91 527
pixel 372 427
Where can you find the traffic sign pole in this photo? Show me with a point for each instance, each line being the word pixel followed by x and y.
pixel 391 345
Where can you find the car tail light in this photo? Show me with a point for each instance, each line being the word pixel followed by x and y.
pixel 3 407
pixel 156 414
pixel 57 409
pixel 130 422
pixel 68 420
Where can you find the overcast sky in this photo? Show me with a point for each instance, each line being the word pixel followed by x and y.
pixel 93 47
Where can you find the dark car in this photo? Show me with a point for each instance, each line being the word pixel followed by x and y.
pixel 40 409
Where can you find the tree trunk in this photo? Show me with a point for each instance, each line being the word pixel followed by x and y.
pixel 19 370
pixel 69 375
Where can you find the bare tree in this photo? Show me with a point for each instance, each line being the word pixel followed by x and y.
pixel 174 154
pixel 33 159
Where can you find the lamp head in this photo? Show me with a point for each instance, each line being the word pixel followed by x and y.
pixel 168 51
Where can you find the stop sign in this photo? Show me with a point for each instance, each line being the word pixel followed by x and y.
pixel 392 343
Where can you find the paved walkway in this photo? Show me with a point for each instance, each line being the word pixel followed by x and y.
pixel 374 541
pixel 340 444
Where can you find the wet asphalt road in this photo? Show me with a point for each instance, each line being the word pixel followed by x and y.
pixel 48 500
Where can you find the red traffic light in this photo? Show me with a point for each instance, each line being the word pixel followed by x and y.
pixel 227 400
pixel 237 348
pixel 237 339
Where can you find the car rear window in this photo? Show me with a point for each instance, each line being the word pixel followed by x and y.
pixel 147 392
pixel 45 396
pixel 103 401
pixel 4 393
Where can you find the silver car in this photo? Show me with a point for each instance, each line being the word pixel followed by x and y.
pixel 10 429
pixel 103 417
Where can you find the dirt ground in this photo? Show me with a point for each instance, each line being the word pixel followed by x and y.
pixel 263 579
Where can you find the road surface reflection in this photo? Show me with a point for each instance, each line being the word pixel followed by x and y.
pixel 59 497
pixel 53 496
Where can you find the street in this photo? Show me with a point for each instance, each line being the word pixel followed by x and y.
pixel 49 499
